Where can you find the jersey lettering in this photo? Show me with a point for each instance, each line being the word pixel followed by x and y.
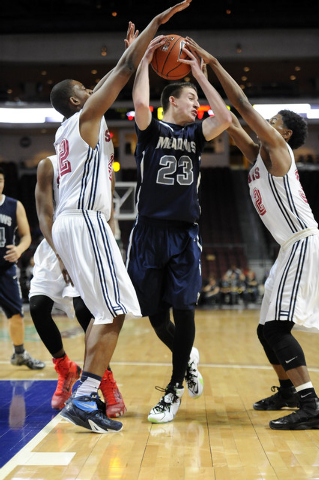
pixel 165 174
pixel 110 166
pixel 176 144
pixel 2 237
pixel 6 219
pixel 254 175
pixel 301 191
pixel 107 136
pixel 258 202
pixel 64 164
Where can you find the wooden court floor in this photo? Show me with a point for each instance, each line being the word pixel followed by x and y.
pixel 216 437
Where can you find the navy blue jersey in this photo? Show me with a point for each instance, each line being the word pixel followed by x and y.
pixel 168 160
pixel 8 227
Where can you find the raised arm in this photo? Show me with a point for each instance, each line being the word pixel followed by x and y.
pixel 212 126
pixel 131 35
pixel 141 87
pixel 272 142
pixel 101 100
pixel 243 141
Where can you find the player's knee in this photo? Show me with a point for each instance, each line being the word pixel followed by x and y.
pixel 40 306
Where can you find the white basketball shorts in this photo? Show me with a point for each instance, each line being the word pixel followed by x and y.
pixel 48 280
pixel 90 253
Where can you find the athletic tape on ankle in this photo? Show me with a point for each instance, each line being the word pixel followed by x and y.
pixel 304 386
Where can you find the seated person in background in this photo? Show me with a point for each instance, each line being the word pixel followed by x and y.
pixel 242 288
pixel 224 290
pixel 210 294
pixel 233 270
pixel 252 287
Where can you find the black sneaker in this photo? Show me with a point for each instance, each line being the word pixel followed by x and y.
pixel 25 358
pixel 306 418
pixel 84 411
pixel 278 400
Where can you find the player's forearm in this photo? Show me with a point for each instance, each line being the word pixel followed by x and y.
pixel 45 223
pixel 24 244
pixel 215 101
pixel 233 91
pixel 141 87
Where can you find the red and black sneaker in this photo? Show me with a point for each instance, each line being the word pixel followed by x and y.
pixel 69 372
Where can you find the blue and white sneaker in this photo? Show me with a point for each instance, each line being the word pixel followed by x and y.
pixel 193 378
pixel 84 412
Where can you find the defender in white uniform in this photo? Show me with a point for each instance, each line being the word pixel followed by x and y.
pixel 81 234
pixel 292 291
pixel 47 276
pixel 48 287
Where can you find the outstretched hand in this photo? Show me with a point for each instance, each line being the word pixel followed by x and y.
pixel 165 16
pixel 131 34
pixel 154 45
pixel 195 48
pixel 192 60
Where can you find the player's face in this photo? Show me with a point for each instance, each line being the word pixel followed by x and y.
pixel 81 93
pixel 278 124
pixel 1 183
pixel 187 105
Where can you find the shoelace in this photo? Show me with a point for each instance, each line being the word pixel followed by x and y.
pixel 190 376
pixel 162 404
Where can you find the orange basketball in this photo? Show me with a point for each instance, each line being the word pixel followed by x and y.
pixel 165 60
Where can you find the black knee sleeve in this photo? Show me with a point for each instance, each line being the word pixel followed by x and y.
pixel 288 351
pixel 270 354
pixel 82 313
pixel 40 311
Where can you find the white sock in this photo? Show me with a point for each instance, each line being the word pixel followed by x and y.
pixel 90 385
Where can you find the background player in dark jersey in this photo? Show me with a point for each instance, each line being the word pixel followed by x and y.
pixel 164 253
pixel 292 288
pixel 12 218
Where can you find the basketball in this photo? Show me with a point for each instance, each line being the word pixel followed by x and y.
pixel 165 60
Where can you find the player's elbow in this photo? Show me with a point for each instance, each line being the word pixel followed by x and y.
pixel 227 120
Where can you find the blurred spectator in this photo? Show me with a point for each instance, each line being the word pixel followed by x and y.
pixel 233 270
pixel 210 294
pixel 252 292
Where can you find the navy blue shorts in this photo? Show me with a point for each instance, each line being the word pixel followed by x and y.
pixel 10 292
pixel 164 263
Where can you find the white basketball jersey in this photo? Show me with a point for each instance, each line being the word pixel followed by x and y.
pixel 280 201
pixel 84 173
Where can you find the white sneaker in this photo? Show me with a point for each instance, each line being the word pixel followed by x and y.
pixel 194 380
pixel 168 405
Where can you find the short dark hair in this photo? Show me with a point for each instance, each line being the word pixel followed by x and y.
pixel 175 90
pixel 60 97
pixel 2 172
pixel 298 125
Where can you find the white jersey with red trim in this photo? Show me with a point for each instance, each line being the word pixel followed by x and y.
pixel 280 201
pixel 84 173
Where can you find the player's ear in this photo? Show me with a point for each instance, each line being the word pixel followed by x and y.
pixel 172 100
pixel 287 134
pixel 75 101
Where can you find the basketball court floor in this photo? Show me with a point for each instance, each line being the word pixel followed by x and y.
pixel 216 437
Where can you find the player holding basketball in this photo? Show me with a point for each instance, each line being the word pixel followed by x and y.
pixel 292 289
pixel 81 235
pixel 49 287
pixel 164 251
